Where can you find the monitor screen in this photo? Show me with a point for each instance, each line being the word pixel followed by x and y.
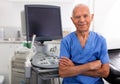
pixel 44 21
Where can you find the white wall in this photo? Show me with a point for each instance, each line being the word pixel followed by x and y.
pixel 10 16
pixel 10 13
pixel 106 21
pixel 112 26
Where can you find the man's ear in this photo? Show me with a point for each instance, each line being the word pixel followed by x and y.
pixel 92 16
pixel 72 19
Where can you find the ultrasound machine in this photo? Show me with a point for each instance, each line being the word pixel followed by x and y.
pixel 44 21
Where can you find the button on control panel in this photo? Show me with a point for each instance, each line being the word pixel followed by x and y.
pixel 48 60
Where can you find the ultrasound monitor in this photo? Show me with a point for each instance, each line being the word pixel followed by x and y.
pixel 44 21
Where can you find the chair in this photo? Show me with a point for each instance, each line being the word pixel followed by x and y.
pixel 114 76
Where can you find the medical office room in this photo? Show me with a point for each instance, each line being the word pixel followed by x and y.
pixel 29 55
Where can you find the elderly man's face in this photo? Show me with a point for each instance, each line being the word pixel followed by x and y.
pixel 81 18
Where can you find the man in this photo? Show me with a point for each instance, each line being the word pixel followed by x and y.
pixel 83 54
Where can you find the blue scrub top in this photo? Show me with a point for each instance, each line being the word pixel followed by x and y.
pixel 95 49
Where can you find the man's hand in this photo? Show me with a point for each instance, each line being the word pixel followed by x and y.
pixel 95 65
pixel 67 68
pixel 64 61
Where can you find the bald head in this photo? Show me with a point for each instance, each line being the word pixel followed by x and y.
pixel 80 7
pixel 81 18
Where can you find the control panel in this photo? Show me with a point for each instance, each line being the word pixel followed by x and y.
pixel 46 55
pixel 45 61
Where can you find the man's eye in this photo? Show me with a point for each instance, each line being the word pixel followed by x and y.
pixel 85 16
pixel 77 17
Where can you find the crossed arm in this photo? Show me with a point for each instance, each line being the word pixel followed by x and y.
pixel 94 69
